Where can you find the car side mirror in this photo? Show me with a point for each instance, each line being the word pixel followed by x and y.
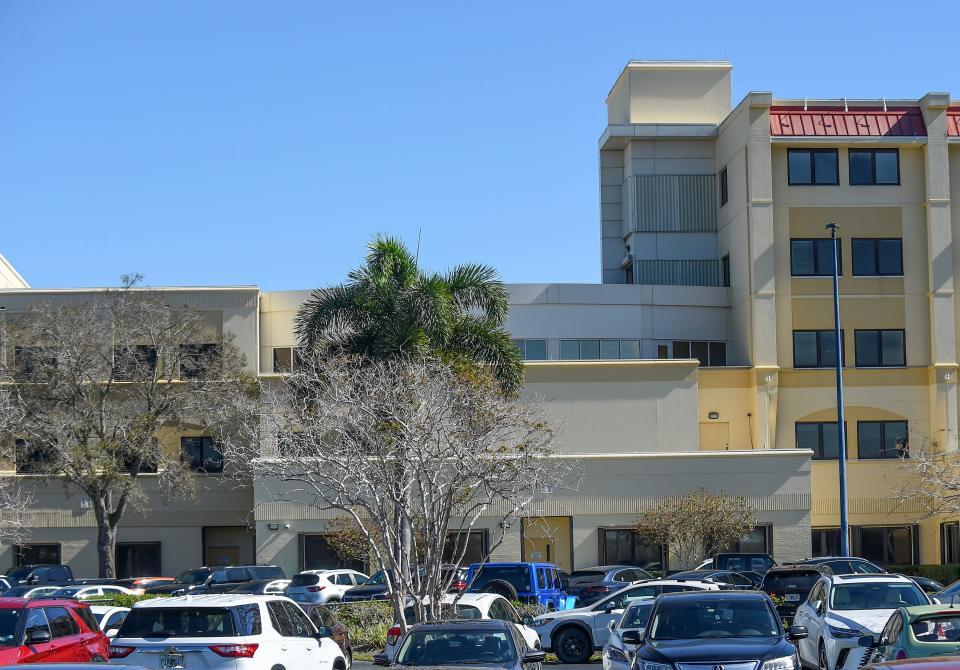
pixel 535 656
pixel 866 641
pixel 795 633
pixel 38 637
pixel 381 659
pixel 632 637
pixel 323 631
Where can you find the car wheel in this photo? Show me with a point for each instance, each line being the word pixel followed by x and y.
pixel 822 662
pixel 502 588
pixel 572 645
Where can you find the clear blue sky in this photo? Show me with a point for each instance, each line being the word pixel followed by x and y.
pixel 237 142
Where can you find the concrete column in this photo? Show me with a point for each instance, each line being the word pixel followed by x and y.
pixel 763 317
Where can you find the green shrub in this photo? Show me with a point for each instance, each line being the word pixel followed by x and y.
pixel 121 599
pixel 532 610
pixel 368 623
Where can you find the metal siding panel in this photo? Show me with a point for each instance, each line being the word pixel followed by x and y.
pixel 856 122
pixel 678 272
pixel 676 203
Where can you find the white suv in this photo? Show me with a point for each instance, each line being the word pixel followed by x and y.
pixel 223 632
pixel 843 608
pixel 573 635
pixel 319 587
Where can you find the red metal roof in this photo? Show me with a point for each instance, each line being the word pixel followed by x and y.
pixel 953 122
pixel 857 121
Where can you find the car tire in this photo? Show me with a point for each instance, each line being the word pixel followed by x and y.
pixel 572 645
pixel 501 587
pixel 823 663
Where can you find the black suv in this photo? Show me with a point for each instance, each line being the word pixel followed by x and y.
pixel 791 584
pixel 217 579
pixel 734 629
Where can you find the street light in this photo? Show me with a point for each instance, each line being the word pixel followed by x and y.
pixel 841 428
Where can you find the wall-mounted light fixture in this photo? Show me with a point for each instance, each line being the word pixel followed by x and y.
pixel 714 415
pixel 273 526
pixel 947 376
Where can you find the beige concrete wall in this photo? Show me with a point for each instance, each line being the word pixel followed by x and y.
pixel 9 277
pixel 671 92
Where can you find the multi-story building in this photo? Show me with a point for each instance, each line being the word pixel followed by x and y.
pixel 705 354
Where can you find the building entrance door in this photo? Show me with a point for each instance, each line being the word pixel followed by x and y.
pixel 548 539
pixel 223 555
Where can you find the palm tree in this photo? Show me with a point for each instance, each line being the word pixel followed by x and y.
pixel 389 307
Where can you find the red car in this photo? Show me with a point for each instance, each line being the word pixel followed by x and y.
pixel 49 631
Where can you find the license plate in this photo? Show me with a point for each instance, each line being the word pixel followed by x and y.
pixel 791 597
pixel 171 661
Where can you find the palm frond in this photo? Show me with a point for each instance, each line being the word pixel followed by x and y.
pixel 430 304
pixel 388 259
pixel 476 286
pixel 485 342
pixel 333 307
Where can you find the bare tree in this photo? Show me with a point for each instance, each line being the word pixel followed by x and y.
pixel 407 443
pixel 94 386
pixel 932 481
pixel 698 524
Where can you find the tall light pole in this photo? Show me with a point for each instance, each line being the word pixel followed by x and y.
pixel 841 427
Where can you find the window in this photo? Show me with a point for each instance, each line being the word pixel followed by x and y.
pixel 299 620
pixel 950 542
pixel 880 348
pixel 34 554
pixel 532 350
pixel 138 559
pixel 282 359
pixel 624 546
pixel 877 257
pixel 136 362
pixel 874 167
pixel 886 545
pixel 316 553
pixel 197 359
pixel 725 270
pixel 881 439
pixel 815 348
pixel 61 623
pixel 819 436
pixel 32 458
pixel 201 454
pixel 248 619
pixel 812 167
pixel 814 257
pixel 475 550
pixel 757 541
pixel 30 361
pixel 710 354
pixel 724 195
pixel 592 350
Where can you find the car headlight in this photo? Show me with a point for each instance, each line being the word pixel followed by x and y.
pixel 649 665
pixel 783 663
pixel 841 633
pixel 538 623
pixel 617 654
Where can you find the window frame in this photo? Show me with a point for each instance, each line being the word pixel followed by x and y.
pixel 818 452
pixel 18 558
pixel 725 270
pixel 873 166
pixel 876 256
pixel 816 263
pixel 521 345
pixel 879 332
pixel 813 167
pixel 820 365
pixel 883 438
pixel 157 546
pixel 201 469
pixel 724 187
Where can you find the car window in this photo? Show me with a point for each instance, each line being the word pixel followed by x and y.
pixel 775 582
pixel 248 619
pixel 301 624
pixel 622 576
pixel 267 572
pixel 636 615
pixel 458 646
pixel 864 568
pixel 322 617
pixel 280 619
pixel 680 619
pixel 343 580
pixel 541 578
pixel 87 617
pixel 517 575
pixel 677 588
pixel 305 580
pixel 938 628
pixel 740 580
pixel 178 622
pixel 816 593
pixel 627 596
pixel 36 621
pixel 236 575
pixel 114 620
pixel 873 596
pixel 61 623
pixel 59 573
pixel 505 611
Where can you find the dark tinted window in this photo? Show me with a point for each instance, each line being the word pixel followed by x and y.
pixel 877 257
pixel 712 618
pixel 91 621
pixel 881 439
pixel 775 582
pixel 236 575
pixel 193 577
pixel 880 348
pixel 813 257
pixel 876 166
pixel 821 437
pixel 724 195
pixel 201 454
pixel 812 166
pixel 299 621
pixel 636 615
pixel 178 622
pixel 517 575
pixel 267 572
pixel 61 623
pixel 587 575
pixel 36 621
pixel 458 646
pixel 815 348
pixel 115 620
pixel 280 619
pixel 321 616
pixel 305 580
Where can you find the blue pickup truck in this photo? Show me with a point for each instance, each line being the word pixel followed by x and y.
pixel 532 583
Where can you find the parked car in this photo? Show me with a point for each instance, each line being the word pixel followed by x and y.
pixel 929 586
pixel 375 588
pixel 575 634
pixel 323 586
pixel 228 631
pixel 81 592
pixel 263 587
pixel 471 606
pixel 617 654
pixel 489 643
pixel 109 618
pixel 841 609
pixel 49 631
pixel 322 617
pixel 753 576
pixel 725 579
pixel 139 585
pixel 591 584
pixel 845 565
pixel 938 663
pixel 726 629
pixel 918 632
pixel 40 574
pixel 538 583
pixel 217 579
pixel 790 584
pixel 743 561
pixel 28 591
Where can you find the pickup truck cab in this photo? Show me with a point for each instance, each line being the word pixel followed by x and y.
pixel 40 575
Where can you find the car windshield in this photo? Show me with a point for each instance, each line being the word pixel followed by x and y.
pixel 790 581
pixel 66 592
pixel 684 619
pixel 941 628
pixel 637 615
pixel 305 579
pixel 867 596
pixel 446 612
pixel 9 622
pixel 457 646
pixel 517 575
pixel 378 578
pixel 193 577
pixel 177 622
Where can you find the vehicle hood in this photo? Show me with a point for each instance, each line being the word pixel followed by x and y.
pixel 710 650
pixel 871 621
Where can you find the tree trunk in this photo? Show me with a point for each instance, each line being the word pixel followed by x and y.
pixel 106 549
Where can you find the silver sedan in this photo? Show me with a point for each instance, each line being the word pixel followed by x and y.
pixel 617 654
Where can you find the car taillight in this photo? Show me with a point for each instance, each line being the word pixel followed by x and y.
pixel 393 635
pixel 315 589
pixel 598 589
pixel 234 650
pixel 901 654
pixel 120 652
pixel 458 586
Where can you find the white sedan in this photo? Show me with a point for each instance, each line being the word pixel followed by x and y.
pixel 471 606
pixel 81 592
pixel 573 635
